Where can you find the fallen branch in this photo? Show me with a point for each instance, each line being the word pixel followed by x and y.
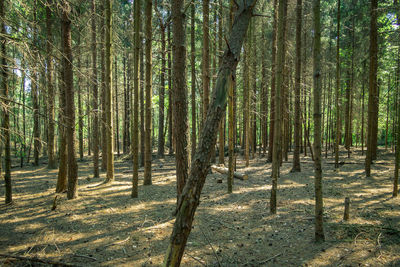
pixel 85 256
pixel 223 170
pixel 271 258
pixel 56 263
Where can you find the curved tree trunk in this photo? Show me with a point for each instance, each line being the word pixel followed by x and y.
pixel 190 197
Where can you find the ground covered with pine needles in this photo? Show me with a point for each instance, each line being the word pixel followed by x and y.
pixel 106 227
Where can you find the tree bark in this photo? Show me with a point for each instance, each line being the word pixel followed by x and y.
pixel 109 98
pixel 373 95
pixel 193 140
pixel 5 108
pixel 280 57
pixel 297 123
pixel 148 125
pixel 319 230
pixel 95 96
pixel 69 101
pixel 206 57
pixel 135 115
pixel 190 197
pixel 180 94
pixel 337 89
pixel 52 163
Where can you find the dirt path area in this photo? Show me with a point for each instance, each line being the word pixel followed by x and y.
pixel 105 227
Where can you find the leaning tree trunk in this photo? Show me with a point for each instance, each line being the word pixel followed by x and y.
pixel 190 197
pixel 5 107
pixel 319 231
pixel 69 101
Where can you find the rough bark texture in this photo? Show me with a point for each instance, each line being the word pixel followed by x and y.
pixel 200 166
pixel 280 57
pixel 52 163
pixel 193 140
pixel 273 84
pixel 148 126
pixel 337 89
pixel 180 94
pixel 69 101
pixel 206 58
pixel 95 96
pixel 108 81
pixel 319 230
pixel 103 91
pixel 373 95
pixel 297 123
pixel 135 115
pixel 5 108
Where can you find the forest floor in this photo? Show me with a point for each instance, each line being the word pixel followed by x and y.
pixel 106 227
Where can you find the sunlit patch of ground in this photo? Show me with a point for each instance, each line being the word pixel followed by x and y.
pixel 105 226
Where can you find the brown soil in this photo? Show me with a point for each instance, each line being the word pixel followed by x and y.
pixel 105 227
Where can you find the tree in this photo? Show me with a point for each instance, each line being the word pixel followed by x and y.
pixel 337 89
pixel 180 94
pixel 206 58
pixel 148 125
pixel 108 81
pixel 5 106
pixel 373 94
pixel 297 124
pixel 69 101
pixel 190 197
pixel 319 231
pixel 280 58
pixel 52 163
pixel 135 128
pixel 193 140
pixel 95 95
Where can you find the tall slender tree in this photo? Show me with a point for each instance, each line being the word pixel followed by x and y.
pixel 180 94
pixel 148 125
pixel 109 98
pixel 135 115
pixel 95 95
pixel 69 100
pixel 317 79
pixel 52 163
pixel 5 106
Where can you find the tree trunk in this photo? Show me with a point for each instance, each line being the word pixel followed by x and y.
pixel 52 163
pixel 206 58
pixel 136 85
pixel 95 96
pixel 148 126
pixel 373 96
pixel 180 94
pixel 273 83
pixel 319 230
pixel 337 103
pixel 103 91
pixel 5 107
pixel 280 57
pixel 109 98
pixel 193 79
pixel 69 101
pixel 190 197
pixel 297 124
